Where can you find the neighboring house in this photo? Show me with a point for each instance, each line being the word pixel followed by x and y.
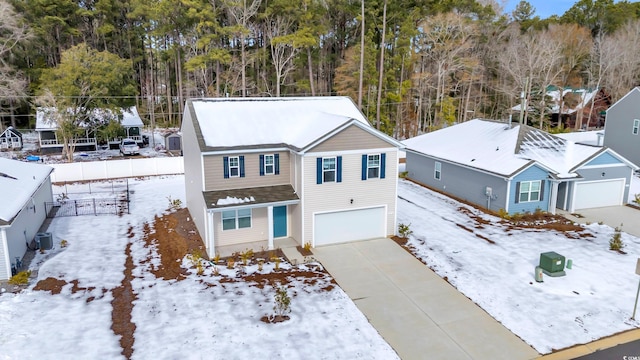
pixel 48 138
pixel 27 187
pixel 622 130
pixel 576 106
pixel 310 169
pixel 11 139
pixel 517 168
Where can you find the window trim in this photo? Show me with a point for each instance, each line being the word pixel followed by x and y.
pixel 237 158
pixel 236 219
pixel 273 164
pixel 437 171
pixel 335 169
pixel 636 127
pixel 374 167
pixel 529 191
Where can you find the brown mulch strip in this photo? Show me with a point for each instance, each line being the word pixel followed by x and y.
pixel 304 251
pixel 400 240
pixel 122 304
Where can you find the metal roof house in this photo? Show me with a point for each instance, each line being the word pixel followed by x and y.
pixel 518 168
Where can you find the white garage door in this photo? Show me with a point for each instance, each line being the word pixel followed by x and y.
pixel 599 193
pixel 344 226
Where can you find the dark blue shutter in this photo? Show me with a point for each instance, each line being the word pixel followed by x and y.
pixel 542 189
pixel 241 166
pixel 276 164
pixel 261 165
pixel 319 170
pixel 364 167
pixel 225 163
pixel 339 169
pixel 517 192
pixel 383 161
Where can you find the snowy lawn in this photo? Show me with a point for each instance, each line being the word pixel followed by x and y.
pixel 200 316
pixel 595 298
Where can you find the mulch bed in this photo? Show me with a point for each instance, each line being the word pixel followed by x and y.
pixel 304 251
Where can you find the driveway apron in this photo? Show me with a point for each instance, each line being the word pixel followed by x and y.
pixel 418 313
pixel 614 216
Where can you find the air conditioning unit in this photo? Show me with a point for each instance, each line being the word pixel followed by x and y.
pixel 44 241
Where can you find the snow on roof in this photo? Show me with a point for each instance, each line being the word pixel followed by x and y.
pixel 234 200
pixel 293 121
pixel 585 97
pixel 502 149
pixel 584 137
pixel 19 180
pixel 130 117
pixel 477 143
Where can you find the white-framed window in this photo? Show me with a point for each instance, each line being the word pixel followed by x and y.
pixel 234 166
pixel 236 219
pixel 269 164
pixel 636 126
pixel 529 191
pixel 328 169
pixel 373 166
pixel 437 171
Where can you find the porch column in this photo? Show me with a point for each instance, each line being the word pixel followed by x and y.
pixel 553 197
pixel 210 234
pixel 270 222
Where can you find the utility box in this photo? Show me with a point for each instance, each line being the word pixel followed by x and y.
pixel 552 263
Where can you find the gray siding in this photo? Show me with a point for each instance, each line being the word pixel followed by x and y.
pixel 616 172
pixel 193 176
pixel 28 221
pixel 619 125
pixel 351 138
pixel 214 172
pixel 464 183
pixel 5 264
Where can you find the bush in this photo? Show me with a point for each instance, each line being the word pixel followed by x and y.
pixel 503 214
pixel 307 246
pixel 636 199
pixel 404 230
pixel 174 204
pixel 21 278
pixel 283 302
pixel 245 256
pixel 616 243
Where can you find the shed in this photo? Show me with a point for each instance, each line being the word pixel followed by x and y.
pixel 11 139
pixel 173 142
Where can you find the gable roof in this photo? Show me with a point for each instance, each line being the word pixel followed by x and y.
pixel 19 180
pixel 11 132
pixel 130 117
pixel 291 122
pixel 501 149
pixel 634 90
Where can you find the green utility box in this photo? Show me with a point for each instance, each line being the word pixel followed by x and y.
pixel 552 263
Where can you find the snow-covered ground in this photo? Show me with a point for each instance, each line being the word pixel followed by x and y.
pixel 188 319
pixel 594 299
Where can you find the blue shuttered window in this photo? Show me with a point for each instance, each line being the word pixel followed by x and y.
pixel 328 169
pixel 319 170
pixel 373 166
pixel 261 165
pixel 225 163
pixel 364 167
pixel 339 169
pixel 383 164
pixel 241 166
pixel 277 164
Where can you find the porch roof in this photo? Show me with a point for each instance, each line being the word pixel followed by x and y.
pixel 250 197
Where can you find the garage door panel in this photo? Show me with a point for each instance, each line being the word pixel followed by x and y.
pixel 599 194
pixel 351 225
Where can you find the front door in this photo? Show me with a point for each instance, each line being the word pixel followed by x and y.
pixel 279 221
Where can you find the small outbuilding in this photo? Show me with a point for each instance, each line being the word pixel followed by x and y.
pixel 11 139
pixel 173 142
pixel 27 186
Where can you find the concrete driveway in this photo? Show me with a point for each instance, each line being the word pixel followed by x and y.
pixel 613 216
pixel 418 313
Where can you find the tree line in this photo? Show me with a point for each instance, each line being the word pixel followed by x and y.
pixel 411 66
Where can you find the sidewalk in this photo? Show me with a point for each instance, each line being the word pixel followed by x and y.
pixel 418 313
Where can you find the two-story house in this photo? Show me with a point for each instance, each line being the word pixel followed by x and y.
pixel 310 169
pixel 622 128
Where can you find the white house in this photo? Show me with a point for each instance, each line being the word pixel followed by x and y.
pixel 27 186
